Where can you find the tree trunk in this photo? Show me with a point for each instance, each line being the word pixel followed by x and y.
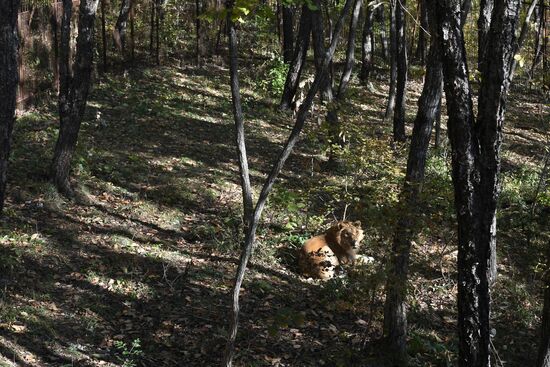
pixel 393 61
pixel 543 358
pixel 73 90
pixel 395 315
pixel 402 64
pixel 152 28
pixel 420 55
pixel 521 38
pixel 483 24
pixel 119 33
pixel 476 162
pixel 288 32
pixel 9 77
pixel 298 60
pixel 158 17
pixel 268 185
pixel 198 31
pixel 538 38
pixel 318 37
pixel 383 39
pixel 367 44
pixel 103 36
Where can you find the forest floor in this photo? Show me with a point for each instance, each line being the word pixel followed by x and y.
pixel 136 271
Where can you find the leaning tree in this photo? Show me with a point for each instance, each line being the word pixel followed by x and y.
pixel 253 211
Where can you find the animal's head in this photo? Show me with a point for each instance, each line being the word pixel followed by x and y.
pixel 349 236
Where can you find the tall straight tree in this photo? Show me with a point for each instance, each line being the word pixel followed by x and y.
pixel 298 60
pixel 420 55
pixel 382 24
pixel 253 220
pixel 119 33
pixel 543 357
pixel 73 88
pixel 9 77
pixel 476 160
pixel 367 43
pixel 393 62
pixel 288 31
pixel 395 313
pixel 402 64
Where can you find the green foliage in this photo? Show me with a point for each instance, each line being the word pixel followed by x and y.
pixel 275 76
pixel 128 354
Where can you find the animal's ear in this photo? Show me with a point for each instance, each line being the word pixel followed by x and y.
pixel 340 225
pixel 357 223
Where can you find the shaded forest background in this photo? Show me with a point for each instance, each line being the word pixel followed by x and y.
pixel 135 270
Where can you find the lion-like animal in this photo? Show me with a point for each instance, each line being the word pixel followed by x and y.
pixel 321 255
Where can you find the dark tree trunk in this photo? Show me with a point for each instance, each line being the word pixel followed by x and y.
pixel 73 90
pixel 367 44
pixel 538 37
pixel 268 184
pixel 119 34
pixel 298 60
pixel 420 55
pixel 395 316
pixel 9 77
pixel 198 31
pixel 318 37
pixel 350 51
pixel 543 358
pixel 521 38
pixel 158 17
pixel 152 28
pixel 476 162
pixel 483 24
pixel 402 64
pixel 333 122
pixel 288 32
pixel 103 36
pixel 393 61
pixel 383 39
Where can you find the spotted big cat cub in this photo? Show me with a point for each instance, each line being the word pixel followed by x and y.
pixel 320 256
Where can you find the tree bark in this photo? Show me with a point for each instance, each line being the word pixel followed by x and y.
pixel 402 64
pixel 9 78
pixel 521 38
pixel 367 44
pixel 543 357
pixel 288 32
pixel 395 315
pixel 420 55
pixel 298 60
pixel 198 31
pixel 538 38
pixel 483 24
pixel 318 37
pixel 268 185
pixel 119 33
pixel 393 61
pixel 74 89
pixel 103 36
pixel 383 39
pixel 476 163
